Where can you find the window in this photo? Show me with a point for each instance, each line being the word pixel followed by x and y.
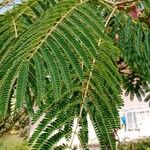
pixel 136 119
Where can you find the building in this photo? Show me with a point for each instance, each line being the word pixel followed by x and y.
pixel 137 115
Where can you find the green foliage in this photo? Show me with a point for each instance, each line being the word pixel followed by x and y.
pixel 140 144
pixel 133 41
pixel 57 56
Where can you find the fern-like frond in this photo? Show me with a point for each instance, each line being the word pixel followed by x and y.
pixel 40 77
pixel 18 20
pixel 133 40
pixel 22 84
pixel 62 61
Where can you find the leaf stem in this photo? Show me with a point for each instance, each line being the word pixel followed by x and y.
pixel 110 16
pixel 15 28
pixel 82 105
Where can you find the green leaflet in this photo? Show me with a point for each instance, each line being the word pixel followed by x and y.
pixel 61 147
pixel 71 37
pixel 102 127
pixel 54 139
pixel 29 103
pixel 83 132
pixel 48 131
pixel 63 106
pixel 6 88
pixel 69 52
pixel 22 84
pixel 40 78
pixel 61 61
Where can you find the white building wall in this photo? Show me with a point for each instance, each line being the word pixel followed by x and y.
pixel 138 119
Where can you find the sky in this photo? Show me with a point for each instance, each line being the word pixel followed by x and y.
pixel 8 7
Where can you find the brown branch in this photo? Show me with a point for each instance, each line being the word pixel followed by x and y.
pixel 110 16
pixel 121 2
